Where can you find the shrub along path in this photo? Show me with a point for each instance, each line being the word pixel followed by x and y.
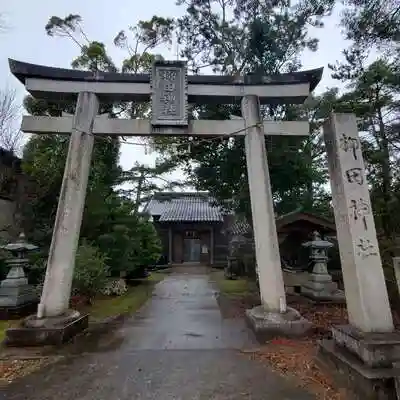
pixel 178 346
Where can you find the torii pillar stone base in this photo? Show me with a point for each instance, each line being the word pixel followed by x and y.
pixel 364 355
pixel 272 317
pixel 55 323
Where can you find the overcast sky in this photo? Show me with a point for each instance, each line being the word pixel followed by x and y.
pixel 26 40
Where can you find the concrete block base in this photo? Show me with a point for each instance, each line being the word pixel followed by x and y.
pixel 267 325
pixel 321 289
pixel 17 312
pixel 47 331
pixel 337 297
pixel 376 350
pixel 367 364
pixel 359 380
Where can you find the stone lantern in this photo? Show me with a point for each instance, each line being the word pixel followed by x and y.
pixel 320 286
pixel 17 297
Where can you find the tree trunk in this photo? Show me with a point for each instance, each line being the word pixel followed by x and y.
pixel 386 176
pixel 308 201
pixel 139 192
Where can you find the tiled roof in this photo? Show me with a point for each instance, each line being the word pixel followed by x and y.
pixel 157 207
pixel 239 228
pixel 191 207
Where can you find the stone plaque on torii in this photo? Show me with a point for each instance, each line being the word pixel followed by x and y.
pixel 169 94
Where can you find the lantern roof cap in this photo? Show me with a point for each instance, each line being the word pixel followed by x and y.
pixel 318 242
pixel 19 245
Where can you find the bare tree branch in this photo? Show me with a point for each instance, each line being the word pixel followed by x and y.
pixel 10 135
pixel 3 24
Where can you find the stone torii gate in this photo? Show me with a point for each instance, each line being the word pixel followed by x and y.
pixel 170 90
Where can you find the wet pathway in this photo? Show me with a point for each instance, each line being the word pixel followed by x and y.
pixel 177 347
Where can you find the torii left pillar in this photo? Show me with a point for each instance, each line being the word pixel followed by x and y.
pixel 53 310
pixel 272 317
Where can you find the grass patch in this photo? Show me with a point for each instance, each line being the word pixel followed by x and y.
pixel 233 287
pixel 128 303
pixel 156 276
pixel 4 325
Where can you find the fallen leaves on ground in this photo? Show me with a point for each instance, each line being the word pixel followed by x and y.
pixel 235 306
pixel 295 359
pixel 322 316
pixel 13 369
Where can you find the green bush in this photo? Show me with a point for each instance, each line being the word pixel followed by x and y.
pixel 131 246
pixel 91 271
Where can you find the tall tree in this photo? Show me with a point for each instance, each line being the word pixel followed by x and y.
pixel 246 37
pixel 146 181
pixel 42 151
pixel 373 23
pixel 109 218
pixel 10 111
pixel 139 41
pixel 373 97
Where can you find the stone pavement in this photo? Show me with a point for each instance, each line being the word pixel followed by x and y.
pixel 176 347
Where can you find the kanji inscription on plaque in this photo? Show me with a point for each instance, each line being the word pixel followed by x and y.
pixel 169 93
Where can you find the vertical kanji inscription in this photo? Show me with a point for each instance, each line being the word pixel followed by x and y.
pixel 169 94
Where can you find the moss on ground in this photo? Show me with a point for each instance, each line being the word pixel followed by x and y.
pixel 4 325
pixel 233 287
pixel 157 276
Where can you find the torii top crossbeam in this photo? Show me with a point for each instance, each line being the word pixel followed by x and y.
pixel 59 83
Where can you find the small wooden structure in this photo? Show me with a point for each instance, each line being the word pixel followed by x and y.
pixel 293 229
pixel 191 227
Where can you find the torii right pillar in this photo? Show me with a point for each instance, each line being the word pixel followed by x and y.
pixel 364 353
pixel 272 317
